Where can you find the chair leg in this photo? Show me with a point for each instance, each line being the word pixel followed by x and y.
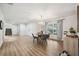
pixel 33 40
pixel 46 41
pixel 37 40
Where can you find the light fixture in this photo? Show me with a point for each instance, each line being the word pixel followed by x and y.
pixel 41 17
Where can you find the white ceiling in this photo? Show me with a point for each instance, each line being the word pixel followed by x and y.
pixel 28 12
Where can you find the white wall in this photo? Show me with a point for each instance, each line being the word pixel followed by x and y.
pixel 70 21
pixel 31 28
pixel 22 29
pixel 28 29
pixel 59 29
pixel 1 31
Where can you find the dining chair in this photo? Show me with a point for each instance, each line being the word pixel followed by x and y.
pixel 44 38
pixel 34 37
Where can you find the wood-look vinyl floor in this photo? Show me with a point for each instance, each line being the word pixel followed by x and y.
pixel 24 46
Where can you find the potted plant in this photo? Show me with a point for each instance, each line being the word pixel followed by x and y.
pixel 72 31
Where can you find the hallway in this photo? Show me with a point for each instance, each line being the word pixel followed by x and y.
pixel 24 46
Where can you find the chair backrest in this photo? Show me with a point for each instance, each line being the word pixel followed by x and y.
pixel 47 35
pixel 44 37
pixel 32 34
